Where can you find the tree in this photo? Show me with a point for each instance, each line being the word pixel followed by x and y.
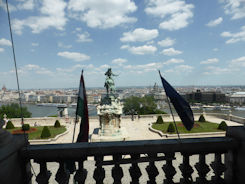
pixel 45 132
pixel 143 105
pixel 10 125
pixel 57 124
pixel 171 128
pixel 159 120
pixel 14 111
pixel 201 119
pixel 222 125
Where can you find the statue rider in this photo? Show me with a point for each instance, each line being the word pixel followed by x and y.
pixel 109 82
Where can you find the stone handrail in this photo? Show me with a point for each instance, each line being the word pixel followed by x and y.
pixel 148 151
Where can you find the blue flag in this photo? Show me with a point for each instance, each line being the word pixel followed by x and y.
pixel 181 106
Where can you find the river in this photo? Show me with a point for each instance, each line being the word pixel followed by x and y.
pixel 44 111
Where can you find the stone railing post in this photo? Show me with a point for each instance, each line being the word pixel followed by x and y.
pixel 11 163
pixel 235 159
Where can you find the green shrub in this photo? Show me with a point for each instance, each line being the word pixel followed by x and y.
pixel 45 132
pixel 25 127
pixel 222 126
pixel 171 128
pixel 10 125
pixel 201 119
pixel 57 124
pixel 159 120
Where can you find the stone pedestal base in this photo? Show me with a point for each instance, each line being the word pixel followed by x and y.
pixel 121 136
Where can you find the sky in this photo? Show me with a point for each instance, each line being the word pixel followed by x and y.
pixel 194 42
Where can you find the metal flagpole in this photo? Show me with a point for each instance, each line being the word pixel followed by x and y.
pixel 173 119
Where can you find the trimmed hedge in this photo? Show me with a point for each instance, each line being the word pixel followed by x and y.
pixel 25 127
pixel 201 119
pixel 159 120
pixel 57 124
pixel 45 132
pixel 171 128
pixel 10 125
pixel 222 126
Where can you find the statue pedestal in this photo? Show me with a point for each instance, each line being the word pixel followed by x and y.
pixel 109 113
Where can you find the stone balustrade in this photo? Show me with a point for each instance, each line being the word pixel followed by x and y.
pixel 116 154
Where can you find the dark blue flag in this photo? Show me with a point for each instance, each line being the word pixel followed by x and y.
pixel 181 106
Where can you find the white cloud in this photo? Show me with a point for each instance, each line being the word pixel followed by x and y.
pixel 216 70
pixel 35 44
pixel 74 68
pixel 52 15
pixel 235 8
pixel 26 5
pixel 76 56
pixel 234 37
pixel 144 67
pixel 166 42
pixel 1 49
pixel 34 68
pixel 210 61
pixel 176 14
pixel 62 45
pixel 119 61
pixel 180 69
pixel 215 22
pixel 140 50
pixel 171 52
pixel 5 42
pixel 139 34
pixel 103 13
pixel 84 37
pixel 173 61
pixel 238 62
pixel 215 49
pixel 3 6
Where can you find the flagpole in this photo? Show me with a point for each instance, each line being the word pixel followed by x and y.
pixel 76 119
pixel 173 119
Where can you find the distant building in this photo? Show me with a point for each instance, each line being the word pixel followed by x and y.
pixel 237 98
pixel 4 88
pixel 205 97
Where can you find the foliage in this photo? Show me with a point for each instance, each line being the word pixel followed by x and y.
pixel 25 127
pixel 198 128
pixel 45 133
pixel 171 128
pixel 10 125
pixel 222 126
pixel 159 120
pixel 14 111
pixel 141 106
pixel 57 124
pixel 55 115
pixel 201 119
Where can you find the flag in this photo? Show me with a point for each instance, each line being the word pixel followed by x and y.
pixel 181 106
pixel 82 111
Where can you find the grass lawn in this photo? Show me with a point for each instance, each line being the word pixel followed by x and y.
pixel 198 127
pixel 36 134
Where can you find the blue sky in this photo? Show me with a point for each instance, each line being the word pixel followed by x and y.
pixel 194 42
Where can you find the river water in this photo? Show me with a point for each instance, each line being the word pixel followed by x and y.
pixel 44 111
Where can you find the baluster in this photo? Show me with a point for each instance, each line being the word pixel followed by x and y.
pixel 134 170
pixel 202 169
pixel 62 176
pixel 186 170
pixel 218 168
pixel 44 175
pixel 151 169
pixel 117 172
pixel 168 168
pixel 81 173
pixel 99 172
